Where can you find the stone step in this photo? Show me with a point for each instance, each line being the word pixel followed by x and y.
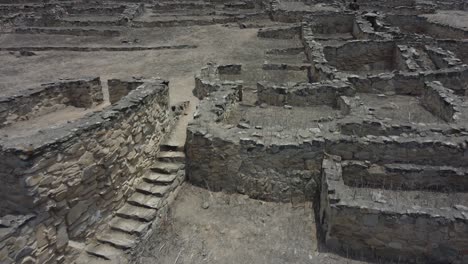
pixel 171 156
pixel 104 251
pixel 166 167
pixel 156 190
pixel 137 213
pixel 145 200
pixel 172 147
pixel 158 178
pixel 129 226
pixel 117 239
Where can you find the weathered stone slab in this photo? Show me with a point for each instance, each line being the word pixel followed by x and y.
pixel 117 239
pixel 135 212
pixel 148 188
pixel 171 156
pixel 160 178
pixel 104 251
pixel 130 226
pixel 168 168
pixel 145 200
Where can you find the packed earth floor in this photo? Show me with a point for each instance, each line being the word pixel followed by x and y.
pixel 219 131
pixel 210 227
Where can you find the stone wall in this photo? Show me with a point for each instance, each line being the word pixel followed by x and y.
pixel 275 172
pixel 224 161
pixel 331 23
pixel 441 151
pixel 362 56
pixel 370 228
pixel 412 83
pixel 420 25
pixel 284 32
pixel 399 176
pixel 49 97
pixel 459 47
pixel 73 177
pixel 441 101
pixel 303 94
pixel 120 88
pixel 208 79
pixel 442 58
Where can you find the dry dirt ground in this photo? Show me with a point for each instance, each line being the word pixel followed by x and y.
pixel 453 18
pixel 208 227
pixel 216 43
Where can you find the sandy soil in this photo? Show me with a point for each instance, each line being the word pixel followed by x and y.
pixel 207 227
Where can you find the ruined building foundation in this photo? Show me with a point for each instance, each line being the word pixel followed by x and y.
pixel 252 131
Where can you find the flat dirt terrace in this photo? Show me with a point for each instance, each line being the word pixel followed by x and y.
pixel 209 227
pixel 215 43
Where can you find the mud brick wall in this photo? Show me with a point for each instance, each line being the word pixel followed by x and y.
pixel 74 177
pixel 365 228
pixel 79 93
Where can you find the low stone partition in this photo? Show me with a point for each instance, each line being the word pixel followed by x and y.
pixel 355 56
pixel 119 88
pixel 405 59
pixel 458 47
pixel 412 83
pixel 421 25
pixel 442 58
pixel 359 227
pixel 285 67
pixel 241 158
pixel 362 56
pixel 83 93
pixel 437 151
pixel 400 176
pixel 107 9
pixel 223 159
pixel 64 182
pixel 442 102
pixel 208 79
pixel 329 23
pixel 303 94
pixel 366 127
pixel 284 32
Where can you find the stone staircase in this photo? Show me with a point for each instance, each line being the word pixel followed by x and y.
pixel 135 220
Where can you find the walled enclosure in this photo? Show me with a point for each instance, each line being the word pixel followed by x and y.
pixel 354 110
pixel 68 180
pixel 401 192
